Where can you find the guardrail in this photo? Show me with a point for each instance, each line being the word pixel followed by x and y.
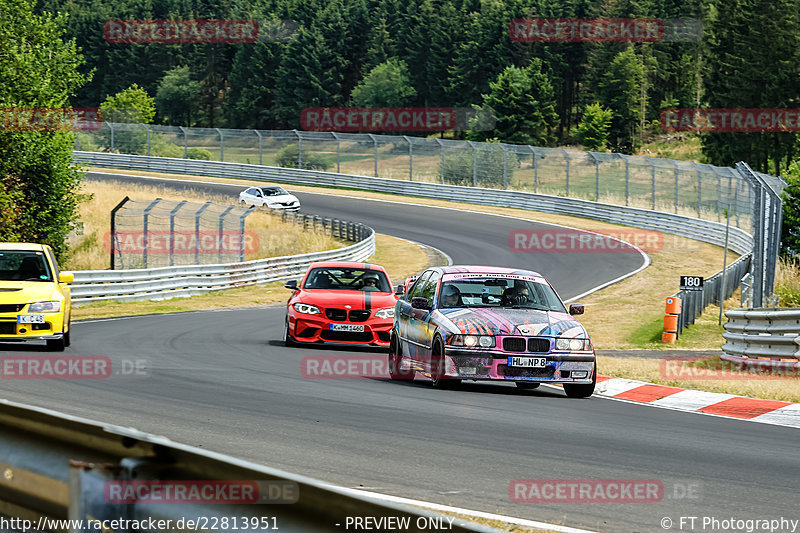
pixel 169 282
pixel 60 467
pixel 765 337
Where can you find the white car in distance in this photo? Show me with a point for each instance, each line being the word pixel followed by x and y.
pixel 270 196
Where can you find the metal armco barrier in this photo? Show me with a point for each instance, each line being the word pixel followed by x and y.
pixel 763 337
pixel 169 282
pixel 694 302
pixel 60 467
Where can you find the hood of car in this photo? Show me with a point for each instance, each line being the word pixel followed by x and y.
pixel 17 292
pixel 355 299
pixel 281 198
pixel 526 322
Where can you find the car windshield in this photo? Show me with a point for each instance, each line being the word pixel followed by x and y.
pixel 24 265
pixel 500 292
pixel 353 279
pixel 273 191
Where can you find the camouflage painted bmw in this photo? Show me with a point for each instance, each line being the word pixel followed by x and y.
pixel 490 323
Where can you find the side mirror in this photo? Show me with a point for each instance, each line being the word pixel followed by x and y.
pixel 291 284
pixel 576 309
pixel 399 290
pixel 418 302
pixel 66 277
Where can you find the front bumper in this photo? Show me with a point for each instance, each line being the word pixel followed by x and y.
pixel 52 328
pixel 317 329
pixel 559 367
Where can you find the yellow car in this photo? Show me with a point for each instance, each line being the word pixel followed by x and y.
pixel 34 296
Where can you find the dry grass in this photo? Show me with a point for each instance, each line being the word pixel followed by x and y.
pixel 787 282
pixel 401 257
pixel 271 236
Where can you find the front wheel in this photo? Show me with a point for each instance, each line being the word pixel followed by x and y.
pixel 439 370
pixel 56 345
pixel 288 341
pixel 574 390
pixel 395 362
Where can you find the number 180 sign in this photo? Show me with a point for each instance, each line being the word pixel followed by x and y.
pixel 691 283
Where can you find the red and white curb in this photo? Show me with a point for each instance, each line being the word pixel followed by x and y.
pixel 711 403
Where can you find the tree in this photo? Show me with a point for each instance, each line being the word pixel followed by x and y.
pixel 386 85
pixel 620 90
pixel 176 96
pixel 130 106
pixel 522 102
pixel 38 68
pixel 790 231
pixel 593 130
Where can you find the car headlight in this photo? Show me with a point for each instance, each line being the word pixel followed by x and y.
pixel 470 341
pixel 573 345
pixel 306 309
pixel 386 312
pixel 45 307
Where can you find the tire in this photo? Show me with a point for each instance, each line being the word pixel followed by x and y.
pixel 288 341
pixel 526 385
pixel 67 337
pixel 438 378
pixel 581 391
pixel 395 358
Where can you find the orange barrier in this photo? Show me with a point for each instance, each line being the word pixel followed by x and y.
pixel 668 338
pixel 671 323
pixel 673 306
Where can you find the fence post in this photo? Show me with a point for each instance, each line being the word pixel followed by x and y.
pixel 172 231
pixel 596 175
pixel 146 214
pixel 474 164
pixel 699 189
pixel 441 146
pixel 535 169
pixel 221 145
pixel 627 177
pixel 148 137
pixel 185 142
pixel 505 166
pixel 260 148
pixel 112 136
pixel 112 237
pixel 410 158
pixel 675 164
pixel 652 184
pixel 221 228
pixel 197 217
pixel 566 159
pixel 299 149
pixel 249 210
pixel 338 152
pixel 375 144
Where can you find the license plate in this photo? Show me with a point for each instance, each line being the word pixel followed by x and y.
pixel 527 362
pixel 359 328
pixel 30 319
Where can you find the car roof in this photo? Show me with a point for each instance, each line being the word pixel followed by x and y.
pixel 22 246
pixel 346 264
pixel 455 269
